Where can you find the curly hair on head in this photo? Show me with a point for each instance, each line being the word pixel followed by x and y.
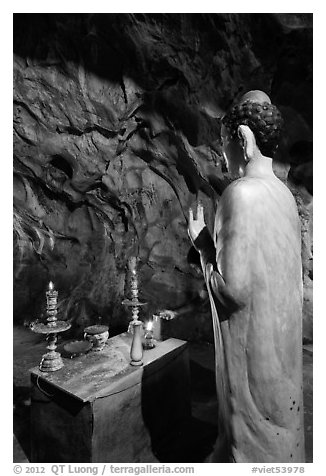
pixel 264 119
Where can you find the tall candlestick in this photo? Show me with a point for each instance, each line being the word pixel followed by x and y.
pixel 135 326
pixel 52 360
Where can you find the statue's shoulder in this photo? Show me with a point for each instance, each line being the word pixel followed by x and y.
pixel 258 191
pixel 242 189
pixel 247 187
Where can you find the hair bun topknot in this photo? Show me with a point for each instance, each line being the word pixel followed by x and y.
pixel 264 119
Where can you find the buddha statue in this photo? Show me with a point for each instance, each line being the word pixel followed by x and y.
pixel 253 273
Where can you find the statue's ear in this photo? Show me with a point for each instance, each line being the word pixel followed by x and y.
pixel 249 142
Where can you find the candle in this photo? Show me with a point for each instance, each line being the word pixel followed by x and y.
pixel 149 342
pixel 51 304
pixel 134 279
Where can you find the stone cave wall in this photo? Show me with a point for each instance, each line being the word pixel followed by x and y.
pixel 116 135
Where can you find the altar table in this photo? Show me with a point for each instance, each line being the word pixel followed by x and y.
pixel 98 408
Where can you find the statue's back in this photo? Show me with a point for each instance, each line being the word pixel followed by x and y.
pixel 258 253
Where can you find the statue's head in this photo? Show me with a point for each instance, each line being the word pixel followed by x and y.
pixel 255 111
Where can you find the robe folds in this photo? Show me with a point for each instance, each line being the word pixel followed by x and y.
pixel 253 273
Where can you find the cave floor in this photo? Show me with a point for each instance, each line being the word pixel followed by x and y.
pixel 192 444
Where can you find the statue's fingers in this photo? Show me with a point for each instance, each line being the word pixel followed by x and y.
pixel 191 215
pixel 200 211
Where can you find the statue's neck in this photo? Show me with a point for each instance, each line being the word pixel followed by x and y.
pixel 259 166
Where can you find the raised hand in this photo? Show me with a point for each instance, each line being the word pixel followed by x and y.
pixel 196 225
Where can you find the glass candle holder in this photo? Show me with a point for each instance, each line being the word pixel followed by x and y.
pixel 149 342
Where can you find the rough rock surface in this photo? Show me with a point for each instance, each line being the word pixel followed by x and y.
pixel 116 134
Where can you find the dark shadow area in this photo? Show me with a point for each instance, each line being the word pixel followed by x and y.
pixel 22 418
pixel 301 160
pixel 63 165
pixel 61 426
pixel 176 435
pixel 192 442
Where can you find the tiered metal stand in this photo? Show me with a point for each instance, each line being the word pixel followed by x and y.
pixel 52 360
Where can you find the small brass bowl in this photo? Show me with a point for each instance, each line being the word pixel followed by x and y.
pixel 77 347
pixel 98 335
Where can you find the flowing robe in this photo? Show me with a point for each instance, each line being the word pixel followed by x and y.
pixel 253 273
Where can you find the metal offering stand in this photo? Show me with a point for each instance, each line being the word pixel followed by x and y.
pixel 52 360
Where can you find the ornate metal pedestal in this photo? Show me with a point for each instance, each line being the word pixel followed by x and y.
pixel 135 305
pixel 52 360
pixel 136 350
pixel 135 328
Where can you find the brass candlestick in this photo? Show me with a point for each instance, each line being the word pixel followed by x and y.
pixel 134 302
pixel 135 326
pixel 52 360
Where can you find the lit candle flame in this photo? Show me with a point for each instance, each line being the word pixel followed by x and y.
pixel 51 286
pixel 149 326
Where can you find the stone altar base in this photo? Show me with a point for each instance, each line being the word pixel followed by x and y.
pixel 98 408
